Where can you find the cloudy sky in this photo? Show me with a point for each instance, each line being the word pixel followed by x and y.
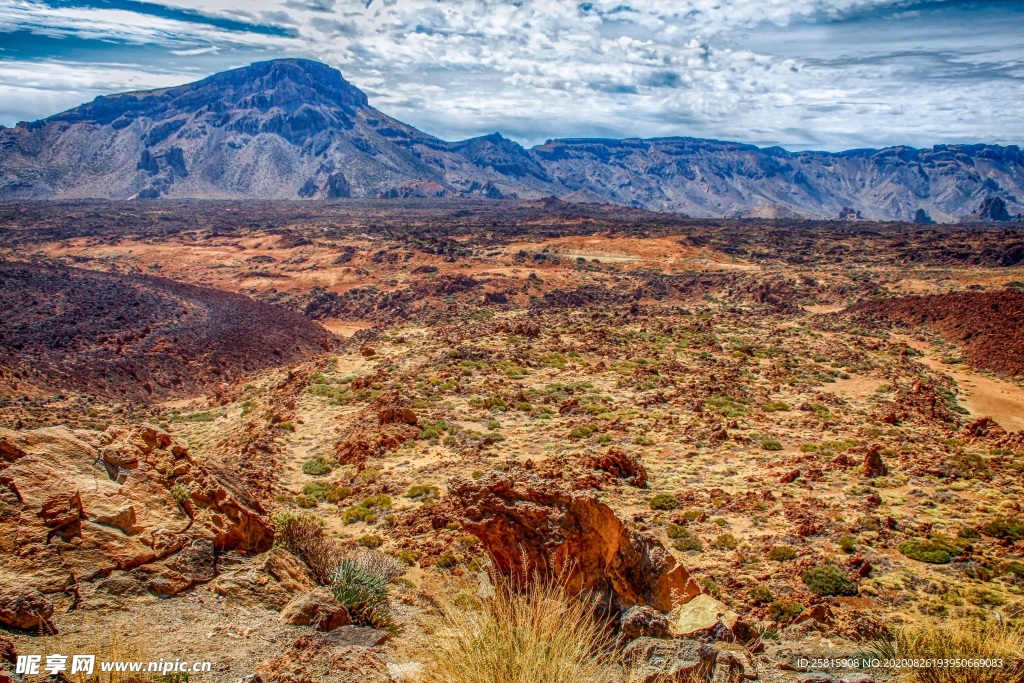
pixel 822 74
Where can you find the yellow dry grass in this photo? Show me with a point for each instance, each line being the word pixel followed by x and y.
pixel 530 633
pixel 962 651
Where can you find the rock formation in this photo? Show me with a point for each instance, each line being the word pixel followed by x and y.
pixel 528 524
pixel 77 506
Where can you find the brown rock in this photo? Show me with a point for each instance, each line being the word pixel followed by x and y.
pixel 317 608
pixel 571 534
pixel 24 608
pixel 819 613
pixel 621 466
pixel 789 477
pixel 271 580
pixel 873 465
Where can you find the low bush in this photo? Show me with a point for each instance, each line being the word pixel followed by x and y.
pixel 685 541
pixel 784 611
pixel 422 492
pixel 827 580
pixel 771 445
pixel 370 541
pixel 1011 528
pixel 664 501
pixel 319 466
pixel 926 551
pixel 727 542
pixel 761 594
pixel 781 553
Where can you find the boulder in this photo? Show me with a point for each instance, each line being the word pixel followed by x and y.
pixel 270 580
pixel 24 608
pixel 317 608
pixel 528 524
pixel 703 618
pixel 655 660
pixel 640 621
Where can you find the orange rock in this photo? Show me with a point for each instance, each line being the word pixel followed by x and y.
pixel 572 535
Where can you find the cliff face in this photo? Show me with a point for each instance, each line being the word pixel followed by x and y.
pixel 291 129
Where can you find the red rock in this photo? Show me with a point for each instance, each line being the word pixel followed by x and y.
pixel 619 465
pixel 873 465
pixel 570 534
pixel 789 477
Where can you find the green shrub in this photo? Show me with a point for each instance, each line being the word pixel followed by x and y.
pixel 370 541
pixel 926 551
pixel 1006 527
pixel 847 544
pixel 304 501
pixel 685 541
pixel 446 561
pixel 368 476
pixel 784 611
pixel 581 432
pixel 761 594
pixel 781 553
pixel 692 515
pixel 318 466
pixel 179 493
pixel 774 406
pixel 771 445
pixel 829 579
pixel 664 501
pixel 407 557
pixel 674 530
pixel 726 542
pixel 422 492
pixel 364 595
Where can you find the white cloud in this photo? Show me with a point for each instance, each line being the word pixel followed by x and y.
pixel 818 73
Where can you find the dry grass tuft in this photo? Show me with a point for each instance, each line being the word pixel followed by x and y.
pixel 962 639
pixel 529 633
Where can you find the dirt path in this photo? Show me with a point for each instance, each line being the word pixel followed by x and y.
pixel 982 395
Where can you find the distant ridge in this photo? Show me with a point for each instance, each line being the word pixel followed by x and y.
pixel 296 129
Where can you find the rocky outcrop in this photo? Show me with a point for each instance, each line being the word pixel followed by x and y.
pixel 271 580
pixel 78 505
pixel 570 535
pixel 294 128
pixel 991 210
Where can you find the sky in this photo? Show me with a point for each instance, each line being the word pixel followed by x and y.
pixel 801 74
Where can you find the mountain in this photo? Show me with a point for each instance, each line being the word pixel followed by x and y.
pixel 293 128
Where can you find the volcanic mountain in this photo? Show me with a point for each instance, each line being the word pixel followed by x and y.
pixel 296 129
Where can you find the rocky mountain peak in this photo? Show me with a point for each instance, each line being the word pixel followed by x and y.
pixel 287 84
pixel 281 82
